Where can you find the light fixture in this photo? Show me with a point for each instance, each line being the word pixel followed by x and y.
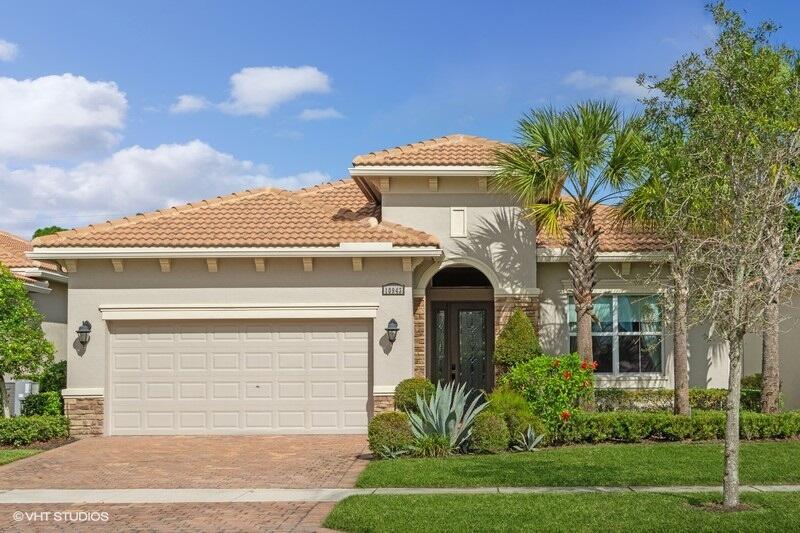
pixel 391 330
pixel 83 332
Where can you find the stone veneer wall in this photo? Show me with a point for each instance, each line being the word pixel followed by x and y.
pixel 85 416
pixel 504 307
pixel 382 403
pixel 420 356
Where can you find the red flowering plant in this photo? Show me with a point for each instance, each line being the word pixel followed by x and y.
pixel 553 385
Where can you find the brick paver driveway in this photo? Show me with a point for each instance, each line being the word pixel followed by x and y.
pixel 186 462
pixel 193 462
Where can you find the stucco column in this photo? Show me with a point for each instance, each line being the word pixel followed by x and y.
pixel 419 337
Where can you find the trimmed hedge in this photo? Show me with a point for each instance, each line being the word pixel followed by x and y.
pixel 647 400
pixel 517 341
pixel 23 430
pixel 405 394
pixel 389 431
pixel 631 426
pixel 45 403
pixel 489 433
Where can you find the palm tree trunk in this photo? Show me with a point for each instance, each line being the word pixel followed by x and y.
pixel 584 242
pixel 680 343
pixel 730 485
pixel 770 359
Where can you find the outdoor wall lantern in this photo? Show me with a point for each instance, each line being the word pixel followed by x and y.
pixel 83 332
pixel 391 330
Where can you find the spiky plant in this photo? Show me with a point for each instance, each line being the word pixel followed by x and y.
pixel 528 441
pixel 448 413
pixel 563 166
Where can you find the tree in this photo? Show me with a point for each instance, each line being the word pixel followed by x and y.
pixel 738 105
pixel 24 350
pixel 517 341
pixel 563 166
pixel 49 230
pixel 664 201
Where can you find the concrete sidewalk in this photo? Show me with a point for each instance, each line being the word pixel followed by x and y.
pixel 135 496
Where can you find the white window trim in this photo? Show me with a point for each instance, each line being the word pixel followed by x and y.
pixel 615 335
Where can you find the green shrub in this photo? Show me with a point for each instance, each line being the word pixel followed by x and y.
pixel 23 430
pixel 516 412
pixel 632 426
pixel 53 378
pixel 45 403
pixel 552 386
pixel 489 433
pixel 648 400
pixel 753 381
pixel 390 431
pixel 405 394
pixel 432 446
pixel 517 342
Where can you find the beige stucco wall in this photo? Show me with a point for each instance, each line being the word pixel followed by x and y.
pixel 708 360
pixel 497 235
pixel 332 281
pixel 53 307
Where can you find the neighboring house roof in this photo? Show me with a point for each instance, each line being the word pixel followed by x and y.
pixel 614 237
pixel 253 218
pixel 450 150
pixel 12 254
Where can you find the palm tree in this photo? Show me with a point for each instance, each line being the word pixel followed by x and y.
pixel 658 201
pixel 563 166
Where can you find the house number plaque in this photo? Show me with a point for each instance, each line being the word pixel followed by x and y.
pixel 394 289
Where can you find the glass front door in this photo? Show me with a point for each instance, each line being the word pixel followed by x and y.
pixel 462 341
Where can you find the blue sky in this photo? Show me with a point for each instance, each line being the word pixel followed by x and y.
pixel 287 93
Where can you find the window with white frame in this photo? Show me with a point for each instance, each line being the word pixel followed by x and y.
pixel 626 337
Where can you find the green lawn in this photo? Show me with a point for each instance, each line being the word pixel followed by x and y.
pixel 599 465
pixel 563 512
pixel 9 456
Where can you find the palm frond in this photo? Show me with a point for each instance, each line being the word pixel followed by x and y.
pixel 551 217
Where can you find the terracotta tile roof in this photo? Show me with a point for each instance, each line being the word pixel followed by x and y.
pixel 257 218
pixel 12 254
pixel 450 150
pixel 342 194
pixel 614 237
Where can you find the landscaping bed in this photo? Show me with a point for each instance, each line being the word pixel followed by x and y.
pixel 565 512
pixel 597 465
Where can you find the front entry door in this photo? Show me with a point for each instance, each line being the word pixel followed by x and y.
pixel 462 342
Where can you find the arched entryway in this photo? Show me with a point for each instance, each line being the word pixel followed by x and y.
pixel 460 326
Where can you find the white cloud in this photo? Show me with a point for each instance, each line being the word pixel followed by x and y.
pixel 8 50
pixel 258 90
pixel 611 86
pixel 56 117
pixel 189 103
pixel 131 180
pixel 320 114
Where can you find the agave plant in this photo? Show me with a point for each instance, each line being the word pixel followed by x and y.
pixel 447 413
pixel 528 441
pixel 387 452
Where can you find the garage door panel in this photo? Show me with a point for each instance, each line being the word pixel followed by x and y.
pixel 250 377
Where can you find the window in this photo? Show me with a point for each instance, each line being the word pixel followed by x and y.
pixel 626 337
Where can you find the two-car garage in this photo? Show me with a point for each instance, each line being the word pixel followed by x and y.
pixel 168 377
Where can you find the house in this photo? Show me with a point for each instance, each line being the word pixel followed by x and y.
pixel 46 284
pixel 269 311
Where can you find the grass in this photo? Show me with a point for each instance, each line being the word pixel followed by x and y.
pixel 564 512
pixel 599 465
pixel 9 456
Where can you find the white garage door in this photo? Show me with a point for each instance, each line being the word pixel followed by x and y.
pixel 207 377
